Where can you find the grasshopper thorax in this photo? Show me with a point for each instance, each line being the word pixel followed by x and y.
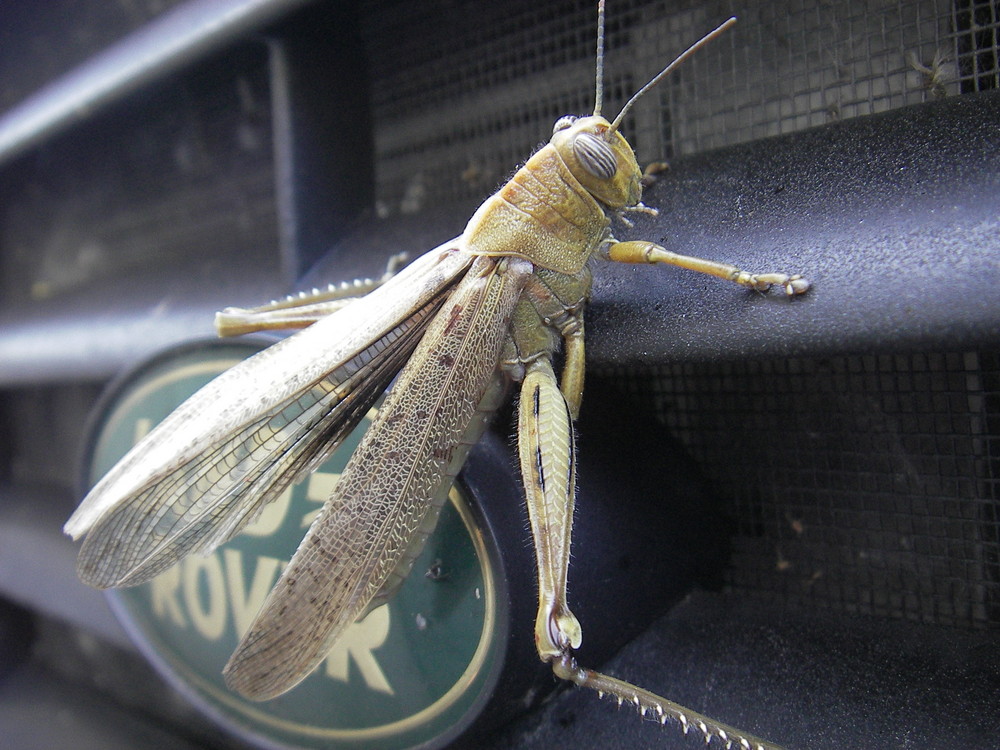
pixel 600 159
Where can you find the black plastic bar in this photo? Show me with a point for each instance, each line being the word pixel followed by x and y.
pixel 322 132
pixel 179 37
pixel 894 217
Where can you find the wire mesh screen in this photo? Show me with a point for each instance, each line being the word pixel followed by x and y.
pixel 865 484
pixel 464 91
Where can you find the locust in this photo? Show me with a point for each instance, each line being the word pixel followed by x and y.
pixel 455 329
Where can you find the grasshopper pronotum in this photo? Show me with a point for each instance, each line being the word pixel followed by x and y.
pixel 459 324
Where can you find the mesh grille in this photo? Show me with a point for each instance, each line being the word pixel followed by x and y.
pixel 859 484
pixel 463 92
pixel 977 25
pixel 864 484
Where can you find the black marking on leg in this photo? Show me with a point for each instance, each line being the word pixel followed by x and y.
pixel 539 469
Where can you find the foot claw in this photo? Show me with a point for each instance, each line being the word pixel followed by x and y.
pixel 796 285
pixel 793 285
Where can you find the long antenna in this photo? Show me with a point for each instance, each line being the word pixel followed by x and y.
pixel 663 73
pixel 599 89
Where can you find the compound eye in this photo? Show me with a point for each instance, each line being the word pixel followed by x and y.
pixel 563 122
pixel 595 155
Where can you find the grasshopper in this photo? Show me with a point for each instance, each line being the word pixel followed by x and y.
pixel 458 325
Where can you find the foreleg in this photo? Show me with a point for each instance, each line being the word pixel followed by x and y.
pixel 638 251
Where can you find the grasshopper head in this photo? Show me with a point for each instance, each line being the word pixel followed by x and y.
pixel 600 158
pixel 593 148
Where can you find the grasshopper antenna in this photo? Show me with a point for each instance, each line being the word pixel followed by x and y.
pixel 663 73
pixel 599 88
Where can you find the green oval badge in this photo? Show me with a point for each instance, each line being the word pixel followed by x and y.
pixel 413 671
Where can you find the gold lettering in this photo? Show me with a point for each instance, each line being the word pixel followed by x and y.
pixel 142 426
pixel 164 591
pixel 318 490
pixel 271 517
pixel 245 603
pixel 358 642
pixel 208 620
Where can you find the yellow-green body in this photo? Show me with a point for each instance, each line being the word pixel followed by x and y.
pixel 552 211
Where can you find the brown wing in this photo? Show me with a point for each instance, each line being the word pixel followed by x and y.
pixel 207 471
pixel 396 479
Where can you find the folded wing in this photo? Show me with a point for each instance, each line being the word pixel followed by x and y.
pixel 389 493
pixel 206 472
